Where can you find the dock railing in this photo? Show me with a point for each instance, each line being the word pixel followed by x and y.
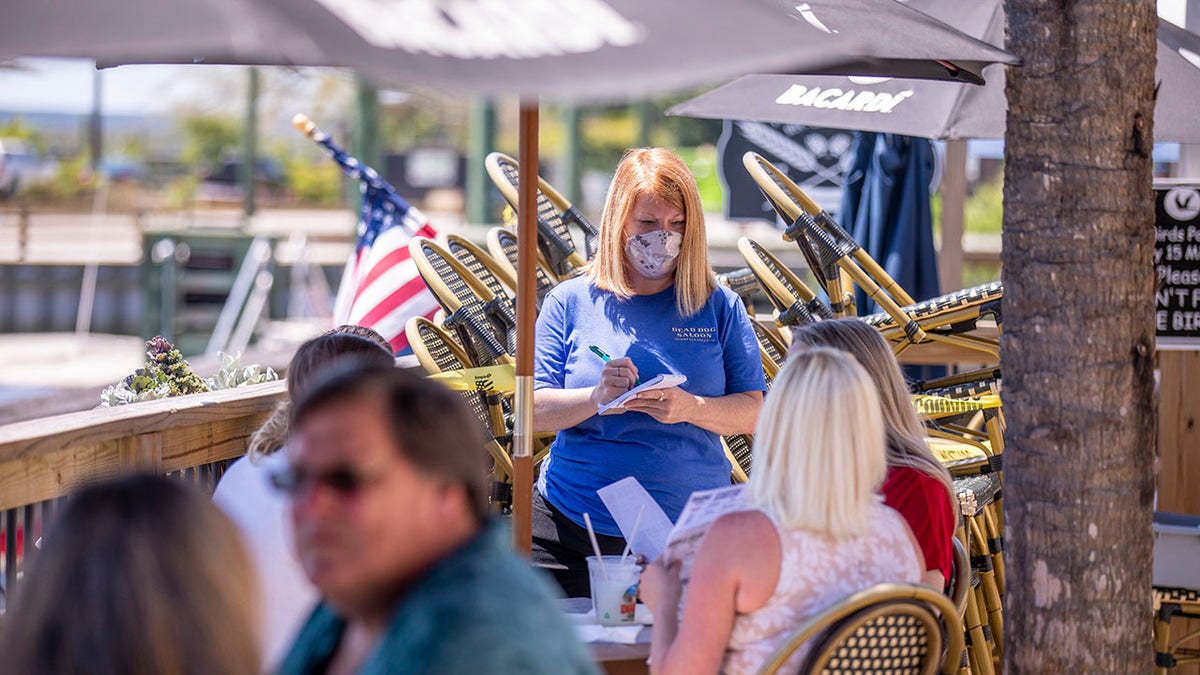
pixel 190 437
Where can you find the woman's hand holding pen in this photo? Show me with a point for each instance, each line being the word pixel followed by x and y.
pixel 616 378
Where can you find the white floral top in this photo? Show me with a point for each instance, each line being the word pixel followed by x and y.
pixel 816 572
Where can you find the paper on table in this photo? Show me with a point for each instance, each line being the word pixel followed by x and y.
pixel 702 508
pixel 664 381
pixel 624 499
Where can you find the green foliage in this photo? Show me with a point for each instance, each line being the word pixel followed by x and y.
pixel 314 183
pixel 424 120
pixel 162 356
pixel 984 211
pixel 702 161
pixel 72 183
pixel 167 373
pixel 208 137
pixel 17 127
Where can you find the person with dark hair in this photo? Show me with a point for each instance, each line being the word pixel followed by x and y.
pixel 245 495
pixel 388 488
pixel 137 576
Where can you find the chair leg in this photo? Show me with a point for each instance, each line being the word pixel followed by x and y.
pixel 982 560
pixel 1163 660
pixel 995 545
pixel 979 651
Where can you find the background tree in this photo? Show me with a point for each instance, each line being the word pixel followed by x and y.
pixel 1078 344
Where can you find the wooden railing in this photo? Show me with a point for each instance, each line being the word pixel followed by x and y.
pixel 189 436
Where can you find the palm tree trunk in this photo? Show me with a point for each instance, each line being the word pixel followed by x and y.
pixel 1078 342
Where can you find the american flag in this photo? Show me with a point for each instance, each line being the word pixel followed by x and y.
pixel 381 288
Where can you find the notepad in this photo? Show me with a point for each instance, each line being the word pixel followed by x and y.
pixel 664 381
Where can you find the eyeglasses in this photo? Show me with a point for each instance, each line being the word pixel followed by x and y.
pixel 345 481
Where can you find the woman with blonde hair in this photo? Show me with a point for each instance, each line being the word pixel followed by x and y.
pixel 816 529
pixel 647 305
pixel 917 485
pixel 137 576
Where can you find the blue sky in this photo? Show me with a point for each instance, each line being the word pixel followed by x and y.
pixel 65 85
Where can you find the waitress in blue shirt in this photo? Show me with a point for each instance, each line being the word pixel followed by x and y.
pixel 650 300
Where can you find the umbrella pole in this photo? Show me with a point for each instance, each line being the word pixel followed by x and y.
pixel 526 315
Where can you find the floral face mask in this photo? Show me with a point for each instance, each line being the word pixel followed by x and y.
pixel 654 254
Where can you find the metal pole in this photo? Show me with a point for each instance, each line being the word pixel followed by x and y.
pixel 1189 154
pixel 571 154
pixel 95 125
pixel 482 141
pixel 250 143
pixel 526 315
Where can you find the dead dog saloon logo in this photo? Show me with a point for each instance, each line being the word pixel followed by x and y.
pixel 695 333
pixel 487 29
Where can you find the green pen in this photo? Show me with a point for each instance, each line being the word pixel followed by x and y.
pixel 600 352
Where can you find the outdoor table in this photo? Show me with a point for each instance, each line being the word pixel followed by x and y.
pixel 614 658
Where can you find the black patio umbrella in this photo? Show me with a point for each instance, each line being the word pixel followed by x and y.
pixel 582 49
pixel 938 110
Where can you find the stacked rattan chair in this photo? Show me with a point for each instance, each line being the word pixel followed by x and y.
pixel 839 263
pixel 484 322
pixel 794 302
pixel 438 351
pixel 502 244
pixel 892 629
pixel 555 218
pixel 1169 604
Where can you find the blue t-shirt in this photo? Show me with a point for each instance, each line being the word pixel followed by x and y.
pixel 716 350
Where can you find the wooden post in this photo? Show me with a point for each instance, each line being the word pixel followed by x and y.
pixel 1178 453
pixel 526 315
pixel 1178 432
pixel 954 198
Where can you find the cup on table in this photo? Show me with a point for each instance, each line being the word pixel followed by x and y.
pixel 614 589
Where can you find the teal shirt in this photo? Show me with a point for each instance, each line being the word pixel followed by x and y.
pixel 482 610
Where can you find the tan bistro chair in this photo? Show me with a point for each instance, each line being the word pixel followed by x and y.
pixel 831 251
pixel 889 629
pixel 795 303
pixel 502 244
pixel 555 215
pixel 484 323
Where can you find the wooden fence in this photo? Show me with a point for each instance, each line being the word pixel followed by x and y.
pixel 192 437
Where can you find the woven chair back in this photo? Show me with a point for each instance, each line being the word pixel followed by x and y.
pixel 438 351
pixel 795 303
pixel 485 324
pixel 555 216
pixel 481 264
pixel 502 244
pixel 889 629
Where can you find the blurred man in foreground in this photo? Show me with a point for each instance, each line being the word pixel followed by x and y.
pixel 388 484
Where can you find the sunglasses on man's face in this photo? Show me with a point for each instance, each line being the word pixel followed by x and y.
pixel 345 481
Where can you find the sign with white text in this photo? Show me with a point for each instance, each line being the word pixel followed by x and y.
pixel 1177 266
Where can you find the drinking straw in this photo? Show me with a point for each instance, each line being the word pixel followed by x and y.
pixel 587 520
pixel 636 524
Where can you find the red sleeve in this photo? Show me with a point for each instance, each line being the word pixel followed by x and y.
pixel 923 502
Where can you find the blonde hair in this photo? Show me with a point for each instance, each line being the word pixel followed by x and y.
pixel 819 447
pixel 906 444
pixel 661 173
